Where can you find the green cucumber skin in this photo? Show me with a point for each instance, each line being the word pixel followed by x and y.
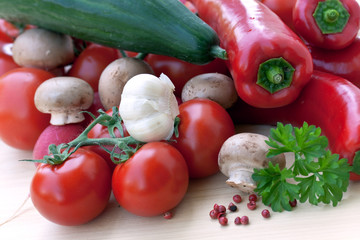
pixel 164 27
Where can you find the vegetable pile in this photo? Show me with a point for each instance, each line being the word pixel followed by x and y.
pixel 141 109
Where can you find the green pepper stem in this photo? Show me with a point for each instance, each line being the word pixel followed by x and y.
pixel 275 74
pixel 331 15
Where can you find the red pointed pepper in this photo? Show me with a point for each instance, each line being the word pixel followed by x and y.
pixel 268 62
pixel 283 9
pixel 329 102
pixel 343 62
pixel 330 24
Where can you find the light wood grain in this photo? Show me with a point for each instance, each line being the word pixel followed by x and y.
pixel 191 220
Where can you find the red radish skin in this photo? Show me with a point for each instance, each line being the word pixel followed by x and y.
pixel 55 135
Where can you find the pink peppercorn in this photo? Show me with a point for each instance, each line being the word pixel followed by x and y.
pixel 293 203
pixel 237 221
pixel 223 221
pixel 232 207
pixel 222 208
pixel 168 215
pixel 213 214
pixel 251 205
pixel 220 214
pixel 252 197
pixel 244 220
pixel 265 213
pixel 237 198
pixel 216 207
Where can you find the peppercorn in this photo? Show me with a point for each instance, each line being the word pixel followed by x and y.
pixel 244 220
pixel 265 213
pixel 223 221
pixel 168 215
pixel 252 197
pixel 213 214
pixel 237 198
pixel 232 207
pixel 251 205
pixel 293 203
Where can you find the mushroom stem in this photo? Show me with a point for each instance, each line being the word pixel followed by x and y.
pixel 61 118
pixel 242 180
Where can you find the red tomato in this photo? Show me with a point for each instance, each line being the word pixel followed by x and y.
pixel 204 127
pixel 180 72
pixel 20 122
pixel 5 40
pixel 73 192
pixel 91 62
pixel 100 131
pixel 153 181
pixel 10 29
pixel 6 63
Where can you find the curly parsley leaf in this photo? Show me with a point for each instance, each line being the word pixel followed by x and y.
pixel 275 189
pixel 356 163
pixel 316 175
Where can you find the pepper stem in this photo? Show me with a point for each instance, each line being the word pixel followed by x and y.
pixel 331 16
pixel 275 74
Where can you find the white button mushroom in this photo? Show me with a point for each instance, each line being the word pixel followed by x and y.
pixel 64 98
pixel 40 48
pixel 214 86
pixel 114 77
pixel 240 154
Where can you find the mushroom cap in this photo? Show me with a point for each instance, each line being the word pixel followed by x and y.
pixel 64 98
pixel 114 77
pixel 214 86
pixel 240 154
pixel 40 48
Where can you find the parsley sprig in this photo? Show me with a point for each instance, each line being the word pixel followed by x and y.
pixel 317 175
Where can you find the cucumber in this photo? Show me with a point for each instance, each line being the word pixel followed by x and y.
pixel 164 27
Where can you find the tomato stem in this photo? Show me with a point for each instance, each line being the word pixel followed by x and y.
pixel 127 145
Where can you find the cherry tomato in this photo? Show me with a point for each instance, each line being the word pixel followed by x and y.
pixel 153 181
pixel 10 29
pixel 180 72
pixel 91 62
pixel 5 43
pixel 20 122
pixel 100 131
pixel 6 63
pixel 73 192
pixel 204 127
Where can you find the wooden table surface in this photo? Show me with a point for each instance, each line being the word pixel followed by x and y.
pixel 191 219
